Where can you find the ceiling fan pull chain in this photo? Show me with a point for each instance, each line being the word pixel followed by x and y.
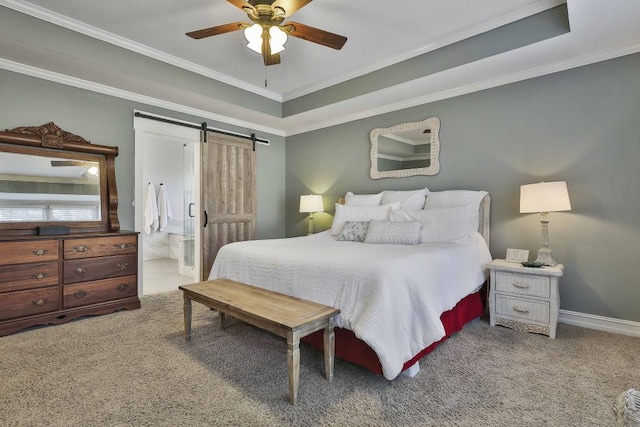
pixel 265 76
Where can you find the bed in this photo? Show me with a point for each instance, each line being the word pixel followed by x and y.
pixel 397 301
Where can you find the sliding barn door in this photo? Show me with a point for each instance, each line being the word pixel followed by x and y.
pixel 228 193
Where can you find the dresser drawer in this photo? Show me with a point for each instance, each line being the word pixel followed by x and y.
pixel 522 309
pixel 28 251
pixel 100 246
pixel 99 291
pixel 520 284
pixel 84 270
pixel 28 276
pixel 26 303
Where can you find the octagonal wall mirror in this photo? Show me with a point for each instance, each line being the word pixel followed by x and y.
pixel 406 149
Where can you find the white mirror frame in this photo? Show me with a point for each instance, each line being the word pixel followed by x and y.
pixel 432 123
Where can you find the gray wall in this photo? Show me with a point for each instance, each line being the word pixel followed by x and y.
pixel 106 120
pixel 580 126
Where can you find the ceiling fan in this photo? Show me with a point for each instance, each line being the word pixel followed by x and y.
pixel 268 34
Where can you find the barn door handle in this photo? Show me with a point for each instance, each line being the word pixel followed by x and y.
pixel 206 219
pixel 190 206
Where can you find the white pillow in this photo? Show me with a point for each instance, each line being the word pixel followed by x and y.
pixel 411 200
pixel 441 225
pixel 358 213
pixel 393 233
pixel 453 198
pixel 351 199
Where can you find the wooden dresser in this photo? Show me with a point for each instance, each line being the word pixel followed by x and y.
pixel 54 279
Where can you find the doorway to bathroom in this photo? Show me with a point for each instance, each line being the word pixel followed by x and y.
pixel 167 205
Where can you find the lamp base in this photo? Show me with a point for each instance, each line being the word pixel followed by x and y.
pixel 544 256
pixel 310 228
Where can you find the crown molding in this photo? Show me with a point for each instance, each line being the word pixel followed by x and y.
pixel 534 7
pixel 289 126
pixel 578 61
pixel 130 96
pixel 105 36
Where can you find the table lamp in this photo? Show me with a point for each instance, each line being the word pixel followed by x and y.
pixel 311 203
pixel 544 197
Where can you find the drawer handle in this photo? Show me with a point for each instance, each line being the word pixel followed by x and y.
pixel 80 271
pixel 40 252
pixel 40 276
pixel 80 248
pixel 41 301
pixel 521 285
pixel 123 266
pixel 520 309
pixel 123 287
pixel 124 245
pixel 80 294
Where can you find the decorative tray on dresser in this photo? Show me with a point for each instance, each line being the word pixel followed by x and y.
pixel 62 253
pixel 524 298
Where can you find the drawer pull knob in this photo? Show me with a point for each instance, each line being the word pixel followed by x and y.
pixel 40 276
pixel 80 294
pixel 521 285
pixel 123 245
pixel 40 252
pixel 80 248
pixel 123 287
pixel 41 301
pixel 520 309
pixel 80 271
pixel 123 266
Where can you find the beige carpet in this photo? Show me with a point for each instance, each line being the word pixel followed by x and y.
pixel 134 369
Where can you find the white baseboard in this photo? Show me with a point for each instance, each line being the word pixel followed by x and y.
pixel 591 321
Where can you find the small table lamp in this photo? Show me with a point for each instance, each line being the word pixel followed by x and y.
pixel 309 204
pixel 544 197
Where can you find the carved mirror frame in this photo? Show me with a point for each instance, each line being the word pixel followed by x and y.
pixel 49 139
pixel 432 125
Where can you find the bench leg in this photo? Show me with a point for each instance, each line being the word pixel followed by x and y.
pixel 223 318
pixel 187 316
pixel 293 364
pixel 329 351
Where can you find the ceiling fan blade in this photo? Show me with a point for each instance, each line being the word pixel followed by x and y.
pixel 214 31
pixel 289 6
pixel 241 4
pixel 55 163
pixel 315 35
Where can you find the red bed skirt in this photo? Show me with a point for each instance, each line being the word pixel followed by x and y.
pixel 352 349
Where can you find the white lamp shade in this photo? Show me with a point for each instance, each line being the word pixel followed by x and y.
pixel 544 197
pixel 253 34
pixel 277 39
pixel 311 203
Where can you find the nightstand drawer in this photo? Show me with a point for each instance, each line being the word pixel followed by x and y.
pixel 520 284
pixel 522 309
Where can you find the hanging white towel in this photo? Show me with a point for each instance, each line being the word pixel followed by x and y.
pixel 164 207
pixel 150 218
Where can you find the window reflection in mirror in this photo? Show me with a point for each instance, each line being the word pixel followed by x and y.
pixel 37 188
pixel 406 149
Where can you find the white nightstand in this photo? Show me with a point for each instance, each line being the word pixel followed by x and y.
pixel 523 298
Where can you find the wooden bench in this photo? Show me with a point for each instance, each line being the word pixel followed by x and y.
pixel 283 315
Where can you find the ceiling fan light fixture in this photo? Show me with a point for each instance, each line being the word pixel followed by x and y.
pixel 253 34
pixel 277 39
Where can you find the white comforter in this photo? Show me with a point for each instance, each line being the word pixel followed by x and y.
pixel 390 296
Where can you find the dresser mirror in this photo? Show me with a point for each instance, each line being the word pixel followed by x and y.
pixel 49 177
pixel 406 149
